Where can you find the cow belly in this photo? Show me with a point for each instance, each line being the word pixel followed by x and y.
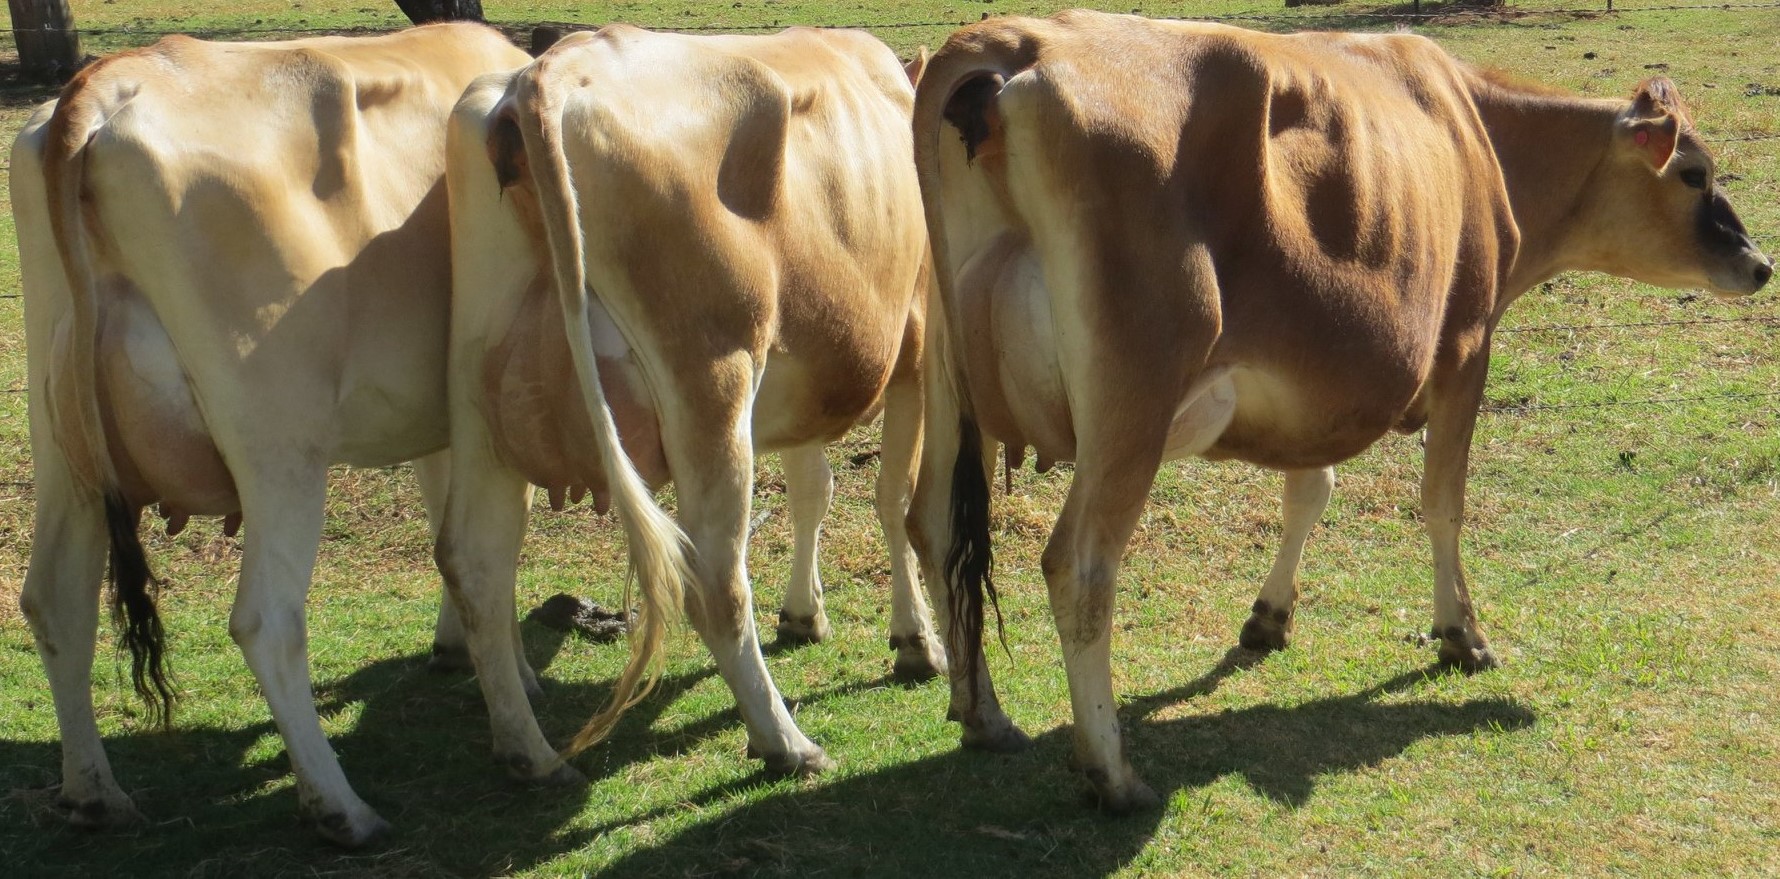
pixel 535 411
pixel 1284 423
pixel 158 438
pixel 1257 411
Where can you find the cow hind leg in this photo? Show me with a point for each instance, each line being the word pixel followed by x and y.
pixel 283 511
pixel 1306 495
pixel 1123 400
pixel 809 487
pixel 919 653
pixel 1081 564
pixel 451 652
pixel 713 475
pixel 478 554
pixel 973 703
pixel 60 602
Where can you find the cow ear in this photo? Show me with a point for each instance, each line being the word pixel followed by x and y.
pixel 1655 97
pixel 1655 120
pixel 917 65
pixel 1654 139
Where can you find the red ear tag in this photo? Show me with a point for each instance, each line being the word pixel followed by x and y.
pixel 1642 137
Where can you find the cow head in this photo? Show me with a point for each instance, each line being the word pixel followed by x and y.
pixel 1671 224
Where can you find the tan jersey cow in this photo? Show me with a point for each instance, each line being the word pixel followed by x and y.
pixel 1162 239
pixel 235 275
pixel 671 253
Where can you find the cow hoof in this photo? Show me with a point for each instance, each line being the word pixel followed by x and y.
pixel 1133 797
pixel 812 629
pixel 563 776
pixel 1469 660
pixel 107 812
pixel 1262 636
pixel 917 659
pixel 449 658
pixel 916 669
pixel 356 829
pixel 1268 628
pixel 1001 739
pixel 793 764
pixel 552 773
pixel 1469 654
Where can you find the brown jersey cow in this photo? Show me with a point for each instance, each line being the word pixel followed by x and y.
pixel 1163 239
pixel 671 253
pixel 235 275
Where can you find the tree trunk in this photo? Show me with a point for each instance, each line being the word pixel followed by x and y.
pixel 423 11
pixel 49 46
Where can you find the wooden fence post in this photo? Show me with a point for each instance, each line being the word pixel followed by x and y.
pixel 423 11
pixel 49 46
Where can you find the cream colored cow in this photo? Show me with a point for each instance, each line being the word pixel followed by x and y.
pixel 671 253
pixel 235 275
pixel 1155 240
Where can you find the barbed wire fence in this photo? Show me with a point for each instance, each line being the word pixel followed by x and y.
pixel 1316 17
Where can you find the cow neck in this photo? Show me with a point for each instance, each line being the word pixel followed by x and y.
pixel 1548 147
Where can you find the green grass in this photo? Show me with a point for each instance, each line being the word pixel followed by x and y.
pixel 1624 558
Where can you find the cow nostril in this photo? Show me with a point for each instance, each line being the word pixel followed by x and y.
pixel 1763 271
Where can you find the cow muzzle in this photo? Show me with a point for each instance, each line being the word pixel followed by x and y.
pixel 1742 274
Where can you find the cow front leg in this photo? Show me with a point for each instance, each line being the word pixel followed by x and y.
pixel 1451 421
pixel 478 554
pixel 1305 497
pixel 60 602
pixel 282 509
pixel 919 653
pixel 809 489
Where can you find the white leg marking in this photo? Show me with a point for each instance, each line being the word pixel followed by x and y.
pixel 1303 500
pixel 809 489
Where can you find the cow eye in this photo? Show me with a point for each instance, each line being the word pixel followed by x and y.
pixel 1694 177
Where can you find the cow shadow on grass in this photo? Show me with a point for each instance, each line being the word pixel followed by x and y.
pixel 416 746
pixel 965 813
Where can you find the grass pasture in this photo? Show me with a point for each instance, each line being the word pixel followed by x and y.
pixel 1623 547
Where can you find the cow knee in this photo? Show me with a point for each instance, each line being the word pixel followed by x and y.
pixel 31 608
pixel 244 627
pixel 249 626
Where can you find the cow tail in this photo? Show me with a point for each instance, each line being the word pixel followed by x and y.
pixel 73 400
pixel 660 554
pixel 958 87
